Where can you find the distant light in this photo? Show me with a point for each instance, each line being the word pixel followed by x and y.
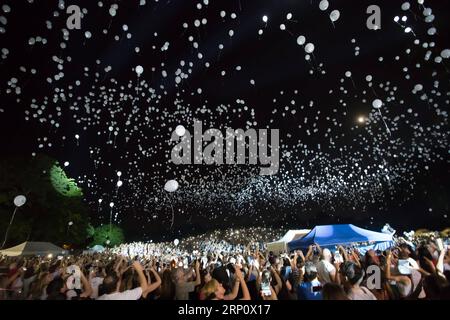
pixel 66 164
pixel 361 119
pixel 50 256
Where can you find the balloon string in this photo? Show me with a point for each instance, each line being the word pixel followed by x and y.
pixel 387 128
pixel 10 223
pixel 374 92
pixel 354 86
pixel 173 213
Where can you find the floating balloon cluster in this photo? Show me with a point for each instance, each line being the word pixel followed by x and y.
pixel 338 156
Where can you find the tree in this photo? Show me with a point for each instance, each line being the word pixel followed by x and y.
pixel 107 232
pixel 53 200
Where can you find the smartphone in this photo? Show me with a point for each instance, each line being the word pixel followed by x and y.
pixel 316 289
pixel 265 289
pixel 440 244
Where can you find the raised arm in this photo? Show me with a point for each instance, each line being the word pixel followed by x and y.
pixel 198 279
pixel 279 284
pixel 440 263
pixel 152 287
pixel 309 253
pixel 86 286
pixel 245 292
pixel 233 294
pixel 142 281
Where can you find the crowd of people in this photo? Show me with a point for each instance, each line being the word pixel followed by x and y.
pixel 215 269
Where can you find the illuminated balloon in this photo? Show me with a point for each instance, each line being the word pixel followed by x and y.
pixel 334 15
pixel 20 200
pixel 405 6
pixel 377 103
pixel 139 70
pixel 171 186
pixel 323 5
pixel 176 242
pixel 309 48
pixel 301 40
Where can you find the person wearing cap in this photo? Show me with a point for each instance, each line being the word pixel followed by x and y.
pixel 310 288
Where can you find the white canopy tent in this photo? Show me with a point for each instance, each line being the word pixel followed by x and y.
pixel 281 245
pixel 29 248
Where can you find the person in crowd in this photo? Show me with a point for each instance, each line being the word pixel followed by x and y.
pixel 112 282
pixel 310 288
pixel 354 276
pixel 333 291
pixel 326 271
pixel 213 290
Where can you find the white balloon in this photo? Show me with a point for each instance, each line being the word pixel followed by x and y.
pixel 119 173
pixel 405 6
pixel 139 70
pixel 19 201
pixel 301 40
pixel 171 186
pixel 323 5
pixel 176 242
pixel 70 223
pixel 111 204
pixel 377 103
pixel 309 48
pixel 369 78
pixel 265 19
pixel 180 130
pixel 119 183
pixel 445 53
pixel 427 12
pixel 334 15
pixel 108 242
pixel 431 31
pixel 348 74
pixel 418 87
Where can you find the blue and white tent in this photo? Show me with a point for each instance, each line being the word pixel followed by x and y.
pixel 342 234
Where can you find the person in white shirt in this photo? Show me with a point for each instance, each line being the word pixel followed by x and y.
pixel 96 279
pixel 326 271
pixel 111 285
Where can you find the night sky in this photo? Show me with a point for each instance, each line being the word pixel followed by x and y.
pixel 342 159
